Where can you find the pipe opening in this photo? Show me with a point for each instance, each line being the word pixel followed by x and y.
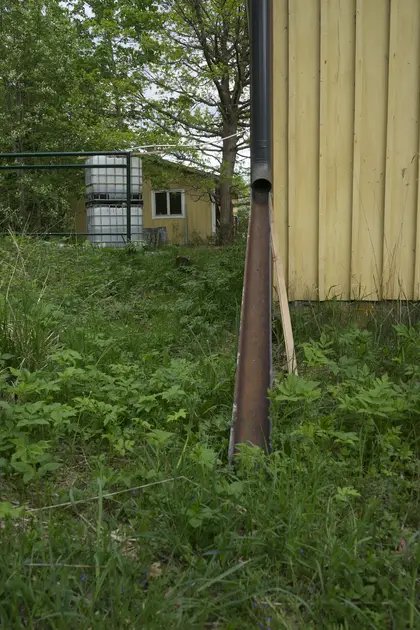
pixel 261 185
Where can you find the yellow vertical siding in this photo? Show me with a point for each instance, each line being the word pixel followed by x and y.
pixel 303 141
pixel 280 122
pixel 346 100
pixel 370 123
pixel 336 142
pixel 198 215
pixel 175 228
pixel 402 146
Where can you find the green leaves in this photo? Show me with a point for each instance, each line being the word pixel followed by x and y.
pixel 178 415
pixel 343 494
pixel 157 437
pixel 349 409
pixel 293 388
pixel 54 96
pixel 324 529
pixel 235 489
pixel 205 457
pixel 32 470
pixel 8 510
pixel 198 514
pixel 32 459
pixel 66 357
pixel 317 354
pixel 382 399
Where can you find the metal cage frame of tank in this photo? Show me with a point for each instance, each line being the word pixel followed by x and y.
pixel 55 154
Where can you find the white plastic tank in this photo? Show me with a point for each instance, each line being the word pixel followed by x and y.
pixel 111 183
pixel 105 220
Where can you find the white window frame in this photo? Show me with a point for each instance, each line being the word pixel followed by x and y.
pixel 168 216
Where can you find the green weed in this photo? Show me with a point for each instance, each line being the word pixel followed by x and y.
pixel 118 506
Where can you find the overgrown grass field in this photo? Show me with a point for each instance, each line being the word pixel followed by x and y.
pixel 118 507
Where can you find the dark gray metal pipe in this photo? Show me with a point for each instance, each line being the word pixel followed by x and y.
pixel 259 20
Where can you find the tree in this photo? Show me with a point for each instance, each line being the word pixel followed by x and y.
pixel 180 74
pixel 192 90
pixel 52 98
pixel 99 73
pixel 119 36
pixel 202 85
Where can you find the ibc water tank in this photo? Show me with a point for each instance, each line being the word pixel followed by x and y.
pixel 111 183
pixel 107 225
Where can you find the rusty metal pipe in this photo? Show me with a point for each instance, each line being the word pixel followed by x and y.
pixel 251 423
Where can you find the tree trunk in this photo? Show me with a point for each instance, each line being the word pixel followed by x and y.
pixel 225 235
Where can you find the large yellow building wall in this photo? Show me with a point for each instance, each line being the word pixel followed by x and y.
pixel 346 133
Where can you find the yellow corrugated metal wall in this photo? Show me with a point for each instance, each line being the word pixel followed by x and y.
pixel 346 133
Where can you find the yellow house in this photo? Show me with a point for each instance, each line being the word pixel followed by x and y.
pixel 346 134
pixel 175 197
pixel 179 198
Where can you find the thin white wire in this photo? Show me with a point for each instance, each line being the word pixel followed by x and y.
pixel 184 146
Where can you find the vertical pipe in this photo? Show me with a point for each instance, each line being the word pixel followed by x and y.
pixel 260 39
pixel 128 166
pixel 251 423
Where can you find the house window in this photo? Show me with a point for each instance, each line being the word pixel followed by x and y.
pixel 168 203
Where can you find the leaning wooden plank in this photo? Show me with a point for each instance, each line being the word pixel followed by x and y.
pixel 283 301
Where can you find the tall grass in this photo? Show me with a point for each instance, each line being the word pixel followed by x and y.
pixel 119 509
